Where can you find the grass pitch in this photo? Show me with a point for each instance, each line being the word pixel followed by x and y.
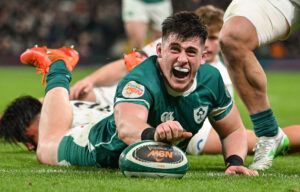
pixel 19 170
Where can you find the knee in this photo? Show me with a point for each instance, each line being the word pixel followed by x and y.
pixel 230 40
pixel 46 154
pixel 40 155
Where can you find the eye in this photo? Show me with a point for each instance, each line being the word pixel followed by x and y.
pixel 191 51
pixel 175 49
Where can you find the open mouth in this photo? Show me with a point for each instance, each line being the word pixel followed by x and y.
pixel 180 72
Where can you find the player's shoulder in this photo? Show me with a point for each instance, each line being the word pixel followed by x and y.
pixel 147 69
pixel 207 71
pixel 144 75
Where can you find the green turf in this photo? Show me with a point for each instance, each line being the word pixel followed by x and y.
pixel 19 170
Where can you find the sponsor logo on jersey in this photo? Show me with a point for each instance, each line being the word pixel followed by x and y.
pixel 167 116
pixel 200 114
pixel 133 90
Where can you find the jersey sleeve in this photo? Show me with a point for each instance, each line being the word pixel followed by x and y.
pixel 223 103
pixel 150 49
pixel 133 92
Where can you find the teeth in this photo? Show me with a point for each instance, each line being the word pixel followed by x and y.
pixel 181 69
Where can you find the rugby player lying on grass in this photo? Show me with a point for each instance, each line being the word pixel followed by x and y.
pixel 166 98
pixel 20 121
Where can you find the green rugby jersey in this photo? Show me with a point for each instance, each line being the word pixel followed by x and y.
pixel 207 97
pixel 144 85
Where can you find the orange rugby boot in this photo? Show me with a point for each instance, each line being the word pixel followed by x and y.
pixel 43 57
pixel 133 59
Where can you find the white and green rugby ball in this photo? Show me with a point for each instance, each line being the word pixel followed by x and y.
pixel 153 159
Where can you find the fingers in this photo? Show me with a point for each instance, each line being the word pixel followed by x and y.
pixel 171 131
pixel 233 170
pixel 80 89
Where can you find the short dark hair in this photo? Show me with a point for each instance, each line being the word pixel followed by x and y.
pixel 18 115
pixel 186 25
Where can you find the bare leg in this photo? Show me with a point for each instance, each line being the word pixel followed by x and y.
pixel 56 118
pixel 293 133
pixel 136 32
pixel 238 40
pixel 213 143
pixel 245 71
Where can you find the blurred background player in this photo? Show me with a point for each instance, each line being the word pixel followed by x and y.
pixel 142 17
pixel 249 24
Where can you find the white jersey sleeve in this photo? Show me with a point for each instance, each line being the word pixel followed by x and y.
pixel 150 49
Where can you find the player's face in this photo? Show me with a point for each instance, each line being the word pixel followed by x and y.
pixel 179 61
pixel 212 46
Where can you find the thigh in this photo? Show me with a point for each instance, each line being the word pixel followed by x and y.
pixel 270 22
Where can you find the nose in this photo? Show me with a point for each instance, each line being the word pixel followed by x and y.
pixel 182 58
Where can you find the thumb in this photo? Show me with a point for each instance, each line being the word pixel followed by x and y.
pixel 186 135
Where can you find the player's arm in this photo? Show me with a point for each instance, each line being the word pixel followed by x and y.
pixel 131 122
pixel 107 75
pixel 233 136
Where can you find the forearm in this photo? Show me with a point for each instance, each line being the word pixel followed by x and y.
pixel 235 143
pixel 131 120
pixel 131 131
pixel 109 74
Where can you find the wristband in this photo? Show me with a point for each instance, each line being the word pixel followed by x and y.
pixel 148 134
pixel 234 160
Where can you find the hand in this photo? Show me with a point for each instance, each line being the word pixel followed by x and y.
pixel 233 170
pixel 171 131
pixel 81 88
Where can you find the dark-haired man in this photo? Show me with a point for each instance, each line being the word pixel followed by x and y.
pixel 166 98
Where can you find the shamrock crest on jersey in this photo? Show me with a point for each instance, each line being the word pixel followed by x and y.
pixel 200 113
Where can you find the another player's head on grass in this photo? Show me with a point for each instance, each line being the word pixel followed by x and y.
pixel 213 19
pixel 20 121
pixel 182 49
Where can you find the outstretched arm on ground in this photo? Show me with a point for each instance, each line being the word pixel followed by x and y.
pixel 234 141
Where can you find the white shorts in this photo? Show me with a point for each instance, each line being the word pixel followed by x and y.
pixel 273 19
pixel 197 143
pixel 85 112
pixel 137 10
pixel 105 95
pixel 150 49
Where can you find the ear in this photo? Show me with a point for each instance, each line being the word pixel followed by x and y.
pixel 158 50
pixel 29 146
pixel 204 57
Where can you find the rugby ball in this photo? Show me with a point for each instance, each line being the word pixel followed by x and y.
pixel 153 159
